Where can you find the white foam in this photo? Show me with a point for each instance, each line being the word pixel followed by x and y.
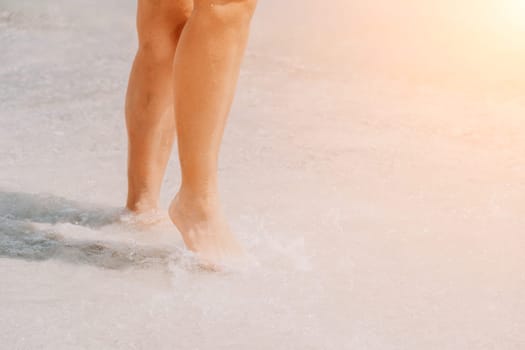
pixel 372 167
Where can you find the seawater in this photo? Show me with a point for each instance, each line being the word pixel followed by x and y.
pixel 372 167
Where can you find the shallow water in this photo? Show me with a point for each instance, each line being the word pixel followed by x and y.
pixel 372 166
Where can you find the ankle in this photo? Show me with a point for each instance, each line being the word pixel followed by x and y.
pixel 202 202
pixel 139 204
pixel 208 194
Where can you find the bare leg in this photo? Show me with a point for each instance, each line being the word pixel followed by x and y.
pixel 206 69
pixel 149 100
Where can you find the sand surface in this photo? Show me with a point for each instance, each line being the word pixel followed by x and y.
pixel 373 165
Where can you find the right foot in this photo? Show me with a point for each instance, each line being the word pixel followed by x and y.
pixel 204 229
pixel 142 220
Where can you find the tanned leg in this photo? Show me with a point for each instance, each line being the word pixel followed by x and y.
pixel 149 101
pixel 206 68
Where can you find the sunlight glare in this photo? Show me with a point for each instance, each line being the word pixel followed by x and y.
pixel 515 14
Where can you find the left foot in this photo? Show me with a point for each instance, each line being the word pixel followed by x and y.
pixel 204 230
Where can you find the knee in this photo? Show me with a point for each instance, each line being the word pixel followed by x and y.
pixel 158 48
pixel 227 11
pixel 159 25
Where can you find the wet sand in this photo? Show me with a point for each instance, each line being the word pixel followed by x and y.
pixel 372 166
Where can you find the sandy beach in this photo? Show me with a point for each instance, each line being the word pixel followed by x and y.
pixel 373 167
